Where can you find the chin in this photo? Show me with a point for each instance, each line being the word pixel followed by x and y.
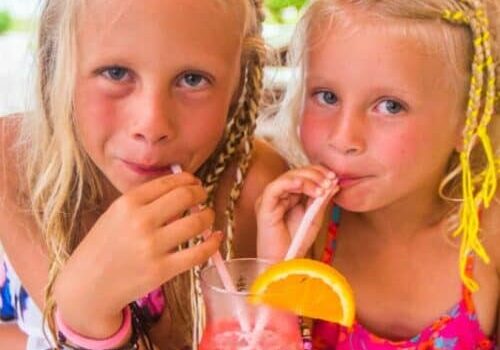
pixel 117 187
pixel 123 186
pixel 120 183
pixel 357 203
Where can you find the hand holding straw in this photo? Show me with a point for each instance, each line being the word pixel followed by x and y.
pixel 224 275
pixel 262 318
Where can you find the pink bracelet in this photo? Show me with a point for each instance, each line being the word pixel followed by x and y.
pixel 95 344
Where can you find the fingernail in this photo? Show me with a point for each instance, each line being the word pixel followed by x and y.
pixel 326 184
pixel 319 191
pixel 331 175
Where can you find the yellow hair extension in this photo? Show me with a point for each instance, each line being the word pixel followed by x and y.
pixel 477 190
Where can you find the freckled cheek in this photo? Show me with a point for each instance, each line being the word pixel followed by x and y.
pixel 96 117
pixel 203 128
pixel 313 135
pixel 400 151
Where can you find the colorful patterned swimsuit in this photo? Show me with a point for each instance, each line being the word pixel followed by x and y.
pixel 17 307
pixel 458 329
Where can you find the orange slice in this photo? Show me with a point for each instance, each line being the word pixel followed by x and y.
pixel 307 288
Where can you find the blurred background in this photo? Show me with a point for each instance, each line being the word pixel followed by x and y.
pixel 17 19
pixel 17 40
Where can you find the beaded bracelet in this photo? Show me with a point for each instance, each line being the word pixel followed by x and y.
pixel 67 334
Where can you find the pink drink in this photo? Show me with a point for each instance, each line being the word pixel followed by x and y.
pixel 227 335
pixel 231 319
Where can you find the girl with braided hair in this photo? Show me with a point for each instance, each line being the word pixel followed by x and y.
pixel 127 89
pixel 399 99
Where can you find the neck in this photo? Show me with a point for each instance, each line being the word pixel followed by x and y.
pixel 110 193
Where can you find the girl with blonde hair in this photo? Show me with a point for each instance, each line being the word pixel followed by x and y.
pixel 126 90
pixel 400 100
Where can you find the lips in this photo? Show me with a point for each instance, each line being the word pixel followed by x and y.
pixel 148 169
pixel 346 181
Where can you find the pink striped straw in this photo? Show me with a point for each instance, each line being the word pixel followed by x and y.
pixel 224 275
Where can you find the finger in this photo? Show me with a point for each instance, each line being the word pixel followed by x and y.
pixel 175 203
pixel 183 260
pixel 333 190
pixel 181 230
pixel 276 191
pixel 327 173
pixel 325 204
pixel 154 189
pixel 318 174
pixel 290 185
pixel 311 188
pixel 291 201
pixel 308 181
pixel 329 193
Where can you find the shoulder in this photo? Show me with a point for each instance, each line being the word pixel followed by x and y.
pixel 9 132
pixel 12 182
pixel 490 223
pixel 19 232
pixel 266 165
pixel 10 126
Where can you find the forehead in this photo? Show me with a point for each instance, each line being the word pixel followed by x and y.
pixel 163 25
pixel 378 43
pixel 354 24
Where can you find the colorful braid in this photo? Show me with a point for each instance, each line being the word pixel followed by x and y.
pixel 250 110
pixel 239 133
pixel 478 190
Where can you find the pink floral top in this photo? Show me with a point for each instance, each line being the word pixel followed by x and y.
pixel 458 329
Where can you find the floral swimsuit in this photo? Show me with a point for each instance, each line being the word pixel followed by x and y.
pixel 458 329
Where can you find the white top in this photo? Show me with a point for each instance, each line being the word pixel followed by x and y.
pixel 17 306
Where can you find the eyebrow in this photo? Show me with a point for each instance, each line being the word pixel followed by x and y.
pixel 322 81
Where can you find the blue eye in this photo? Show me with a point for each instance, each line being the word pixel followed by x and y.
pixel 326 97
pixel 193 80
pixel 115 73
pixel 390 107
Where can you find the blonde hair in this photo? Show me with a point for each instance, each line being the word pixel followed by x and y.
pixel 63 183
pixel 469 37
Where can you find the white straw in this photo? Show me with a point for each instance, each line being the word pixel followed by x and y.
pixel 224 275
pixel 305 223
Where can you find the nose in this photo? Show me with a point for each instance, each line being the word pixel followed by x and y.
pixel 348 133
pixel 154 121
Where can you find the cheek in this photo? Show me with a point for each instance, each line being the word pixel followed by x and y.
pixel 410 153
pixel 95 117
pixel 203 127
pixel 398 150
pixel 312 135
